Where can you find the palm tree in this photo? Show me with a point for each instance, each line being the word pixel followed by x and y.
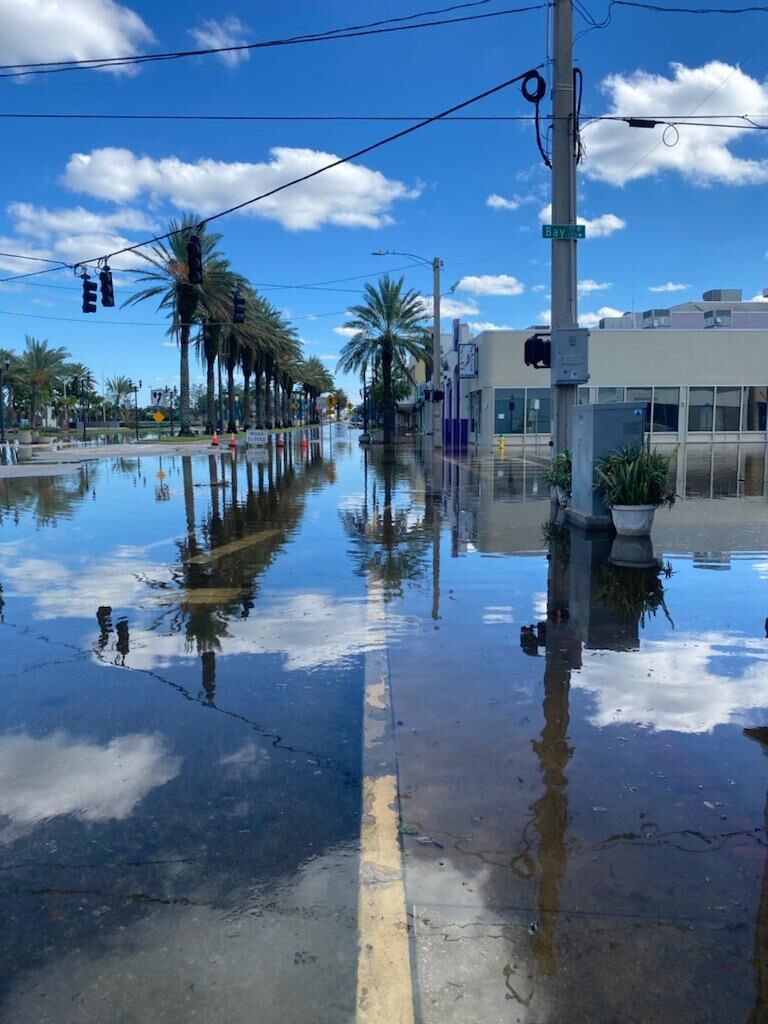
pixel 341 401
pixel 119 391
pixel 316 380
pixel 388 325
pixel 168 281
pixel 41 368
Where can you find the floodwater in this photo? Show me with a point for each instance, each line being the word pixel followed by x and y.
pixel 581 770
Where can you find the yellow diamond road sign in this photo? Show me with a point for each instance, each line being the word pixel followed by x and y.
pixel 158 416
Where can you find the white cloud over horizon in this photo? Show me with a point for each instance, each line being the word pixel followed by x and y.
pixel 477 327
pixel 39 30
pixel 491 284
pixel 593 319
pixel 351 195
pixel 670 286
pixel 451 307
pixel 213 34
pixel 345 332
pixel 619 154
pixel 587 286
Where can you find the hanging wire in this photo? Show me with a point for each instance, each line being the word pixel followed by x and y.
pixel 535 95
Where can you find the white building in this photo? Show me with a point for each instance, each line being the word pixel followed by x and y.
pixel 702 367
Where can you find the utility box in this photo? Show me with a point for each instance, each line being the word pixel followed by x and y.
pixel 597 431
pixel 570 364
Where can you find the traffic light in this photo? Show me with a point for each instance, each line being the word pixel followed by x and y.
pixel 538 352
pixel 238 308
pixel 107 291
pixel 194 260
pixel 89 295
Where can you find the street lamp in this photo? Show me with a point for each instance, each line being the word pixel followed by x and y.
pixel 78 384
pixel 5 368
pixel 135 388
pixel 172 396
pixel 436 263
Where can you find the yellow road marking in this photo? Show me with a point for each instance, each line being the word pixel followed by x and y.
pixel 384 982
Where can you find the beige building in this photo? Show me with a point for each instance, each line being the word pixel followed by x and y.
pixel 706 381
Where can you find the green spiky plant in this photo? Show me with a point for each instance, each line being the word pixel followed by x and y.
pixel 634 476
pixel 560 472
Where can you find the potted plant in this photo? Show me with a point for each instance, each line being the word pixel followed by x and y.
pixel 633 483
pixel 558 476
pixel 635 594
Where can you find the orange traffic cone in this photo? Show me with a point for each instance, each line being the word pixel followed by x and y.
pixel 304 443
pixel 232 442
pixel 215 441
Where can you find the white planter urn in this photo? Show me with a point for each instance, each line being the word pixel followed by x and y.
pixel 633 520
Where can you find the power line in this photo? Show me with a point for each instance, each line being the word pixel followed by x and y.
pixel 660 9
pixel 353 32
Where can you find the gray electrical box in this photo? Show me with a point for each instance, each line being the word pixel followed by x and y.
pixel 570 364
pixel 597 431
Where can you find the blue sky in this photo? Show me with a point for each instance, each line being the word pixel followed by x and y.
pixel 693 215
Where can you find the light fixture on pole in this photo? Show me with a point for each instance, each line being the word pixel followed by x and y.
pixel 135 388
pixel 437 396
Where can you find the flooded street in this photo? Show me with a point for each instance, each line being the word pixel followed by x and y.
pixel 237 687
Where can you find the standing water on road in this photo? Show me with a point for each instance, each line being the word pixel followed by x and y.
pixel 190 645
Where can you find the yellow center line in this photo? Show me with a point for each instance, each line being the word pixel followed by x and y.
pixel 384 982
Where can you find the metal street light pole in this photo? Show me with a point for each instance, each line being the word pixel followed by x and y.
pixel 82 404
pixel 135 388
pixel 6 367
pixel 437 356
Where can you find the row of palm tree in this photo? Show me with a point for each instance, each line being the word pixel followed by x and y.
pixel 265 349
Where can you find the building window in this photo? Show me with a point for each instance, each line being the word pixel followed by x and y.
pixel 717 318
pixel 656 318
pixel 475 411
pixel 537 420
pixel 610 395
pixel 755 407
pixel 509 407
pixel 641 396
pixel 583 396
pixel 666 410
pixel 701 403
pixel 728 409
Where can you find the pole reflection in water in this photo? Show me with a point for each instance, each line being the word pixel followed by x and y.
pixel 759 1014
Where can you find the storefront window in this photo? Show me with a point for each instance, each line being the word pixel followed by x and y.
pixel 666 410
pixel 509 407
pixel 641 396
pixel 728 409
pixel 475 411
pixel 538 415
pixel 583 396
pixel 701 403
pixel 610 395
pixel 755 406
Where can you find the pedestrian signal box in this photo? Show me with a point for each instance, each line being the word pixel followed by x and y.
pixel 570 363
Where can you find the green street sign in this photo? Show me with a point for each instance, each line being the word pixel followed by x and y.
pixel 563 231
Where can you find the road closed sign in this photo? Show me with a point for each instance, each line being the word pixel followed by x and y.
pixel 256 438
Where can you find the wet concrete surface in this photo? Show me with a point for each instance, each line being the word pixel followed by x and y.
pixel 186 642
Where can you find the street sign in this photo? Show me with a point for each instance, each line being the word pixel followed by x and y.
pixel 158 416
pixel 256 438
pixel 563 231
pixel 467 360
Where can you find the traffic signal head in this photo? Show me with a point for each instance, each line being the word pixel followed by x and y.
pixel 89 295
pixel 194 260
pixel 537 352
pixel 238 308
pixel 107 291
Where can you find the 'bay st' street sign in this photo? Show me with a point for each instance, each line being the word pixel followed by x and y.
pixel 563 231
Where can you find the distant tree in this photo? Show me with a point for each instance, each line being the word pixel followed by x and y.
pixel 42 368
pixel 119 391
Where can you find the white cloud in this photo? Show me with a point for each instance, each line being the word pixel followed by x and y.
pixel 451 307
pixel 478 326
pixel 39 30
pixel 212 34
pixel 598 227
pixel 497 202
pixel 588 285
pixel 491 284
pixel 670 286
pixel 347 196
pixel 759 298
pixel 539 288
pixel 593 319
pixel 544 316
pixel 71 234
pixel 345 332
pixel 329 357
pixel 168 344
pixel 45 777
pixel 618 153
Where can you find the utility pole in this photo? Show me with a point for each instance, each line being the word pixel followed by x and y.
pixel 564 143
pixel 437 356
